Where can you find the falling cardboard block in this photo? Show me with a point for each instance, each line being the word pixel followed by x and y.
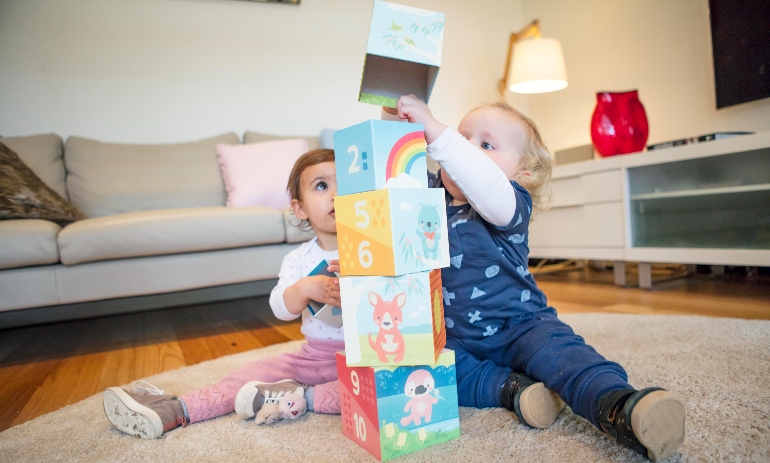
pixel 393 321
pixel 378 154
pixel 392 411
pixel 403 54
pixel 392 232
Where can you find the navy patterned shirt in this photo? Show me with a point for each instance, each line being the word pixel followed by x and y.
pixel 487 281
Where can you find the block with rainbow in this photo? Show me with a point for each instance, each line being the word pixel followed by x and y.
pixel 392 411
pixel 393 321
pixel 379 154
pixel 392 232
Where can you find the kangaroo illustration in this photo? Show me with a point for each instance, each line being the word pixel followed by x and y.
pixel 387 315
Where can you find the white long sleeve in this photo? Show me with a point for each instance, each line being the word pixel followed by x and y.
pixel 482 181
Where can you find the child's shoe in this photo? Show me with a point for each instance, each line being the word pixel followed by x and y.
pixel 650 421
pixel 254 394
pixel 147 414
pixel 534 404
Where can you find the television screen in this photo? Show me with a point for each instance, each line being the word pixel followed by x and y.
pixel 740 39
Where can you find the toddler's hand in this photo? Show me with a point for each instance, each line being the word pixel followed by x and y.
pixel 414 110
pixel 334 266
pixel 323 289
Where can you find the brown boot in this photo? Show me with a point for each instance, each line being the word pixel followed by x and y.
pixel 147 415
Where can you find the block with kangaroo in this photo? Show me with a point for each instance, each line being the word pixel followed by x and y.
pixel 393 321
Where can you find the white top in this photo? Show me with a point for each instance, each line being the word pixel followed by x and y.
pixel 295 266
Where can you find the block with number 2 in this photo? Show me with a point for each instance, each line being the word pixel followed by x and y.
pixel 392 411
pixel 378 154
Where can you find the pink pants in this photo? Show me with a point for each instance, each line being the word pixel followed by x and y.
pixel 314 364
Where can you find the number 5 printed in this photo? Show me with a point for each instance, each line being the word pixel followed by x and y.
pixel 364 222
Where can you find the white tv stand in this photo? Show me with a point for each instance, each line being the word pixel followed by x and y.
pixel 705 203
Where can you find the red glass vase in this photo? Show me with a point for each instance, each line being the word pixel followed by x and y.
pixel 619 123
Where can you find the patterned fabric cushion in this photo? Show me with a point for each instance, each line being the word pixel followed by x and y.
pixel 24 196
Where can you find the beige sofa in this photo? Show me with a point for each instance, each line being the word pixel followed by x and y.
pixel 156 225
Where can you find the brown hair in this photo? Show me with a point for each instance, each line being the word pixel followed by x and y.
pixel 535 158
pixel 308 159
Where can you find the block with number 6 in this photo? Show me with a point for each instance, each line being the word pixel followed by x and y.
pixel 392 411
pixel 392 232
pixel 380 154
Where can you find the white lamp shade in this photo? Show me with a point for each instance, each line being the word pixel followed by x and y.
pixel 537 66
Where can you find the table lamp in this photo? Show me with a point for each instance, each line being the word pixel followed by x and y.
pixel 534 64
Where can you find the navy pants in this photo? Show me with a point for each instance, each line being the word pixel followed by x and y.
pixel 544 348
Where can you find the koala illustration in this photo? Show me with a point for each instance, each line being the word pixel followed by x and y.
pixel 418 387
pixel 428 221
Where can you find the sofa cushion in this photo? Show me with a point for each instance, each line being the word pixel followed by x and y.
pixel 313 143
pixel 169 231
pixel 27 243
pixel 111 178
pixel 43 154
pixel 256 174
pixel 24 196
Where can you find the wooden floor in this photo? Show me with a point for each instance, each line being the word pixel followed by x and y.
pixel 43 368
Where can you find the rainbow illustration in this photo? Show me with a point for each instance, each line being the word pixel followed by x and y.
pixel 405 152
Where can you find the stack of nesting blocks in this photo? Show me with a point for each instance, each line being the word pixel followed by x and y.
pixel 399 387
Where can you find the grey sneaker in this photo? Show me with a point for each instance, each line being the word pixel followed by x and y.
pixel 534 404
pixel 254 394
pixel 147 414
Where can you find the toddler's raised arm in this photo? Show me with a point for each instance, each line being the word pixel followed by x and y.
pixel 483 183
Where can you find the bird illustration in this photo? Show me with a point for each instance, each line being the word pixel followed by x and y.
pixel 415 27
pixel 408 40
pixel 394 26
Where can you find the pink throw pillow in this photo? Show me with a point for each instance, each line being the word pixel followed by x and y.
pixel 256 174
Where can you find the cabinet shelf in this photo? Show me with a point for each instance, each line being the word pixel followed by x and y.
pixel 706 203
pixel 702 192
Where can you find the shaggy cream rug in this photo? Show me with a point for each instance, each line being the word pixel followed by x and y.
pixel 719 366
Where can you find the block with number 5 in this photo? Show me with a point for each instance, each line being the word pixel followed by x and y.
pixel 392 411
pixel 392 232
pixel 378 154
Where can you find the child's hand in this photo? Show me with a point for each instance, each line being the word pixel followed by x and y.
pixel 323 289
pixel 414 110
pixel 334 266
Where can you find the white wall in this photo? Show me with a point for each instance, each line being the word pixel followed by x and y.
pixel 176 70
pixel 660 47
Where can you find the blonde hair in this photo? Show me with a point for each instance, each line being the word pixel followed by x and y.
pixel 308 159
pixel 535 158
